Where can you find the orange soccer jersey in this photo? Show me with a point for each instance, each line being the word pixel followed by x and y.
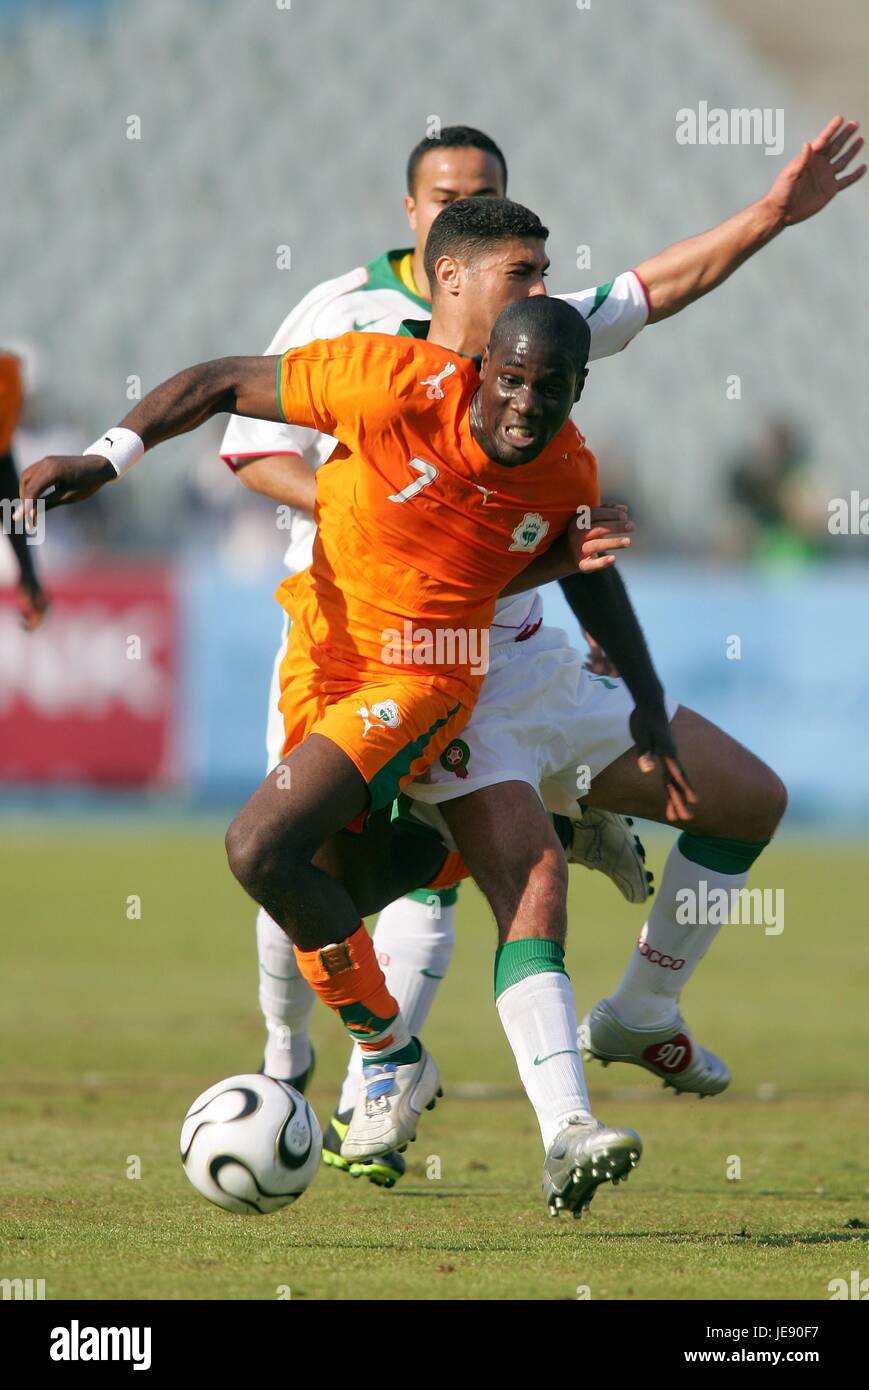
pixel 11 396
pixel 418 529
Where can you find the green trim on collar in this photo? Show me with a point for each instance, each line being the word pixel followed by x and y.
pixel 413 328
pixel 418 328
pixel 381 276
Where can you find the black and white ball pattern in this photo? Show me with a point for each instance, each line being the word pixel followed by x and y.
pixel 250 1144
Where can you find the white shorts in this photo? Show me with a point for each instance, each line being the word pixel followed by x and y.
pixel 542 719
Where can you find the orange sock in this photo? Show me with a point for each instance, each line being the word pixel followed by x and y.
pixel 452 869
pixel 348 977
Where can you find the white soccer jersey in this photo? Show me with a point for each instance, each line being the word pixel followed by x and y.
pixel 373 298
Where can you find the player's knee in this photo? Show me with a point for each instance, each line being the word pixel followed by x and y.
pixel 761 807
pixel 252 855
pixel 777 800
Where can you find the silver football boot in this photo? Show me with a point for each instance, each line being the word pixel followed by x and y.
pixel 607 842
pixel 671 1053
pixel 584 1154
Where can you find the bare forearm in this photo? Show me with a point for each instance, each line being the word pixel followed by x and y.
pixel 602 605
pixel 590 543
pixel 690 269
pixel 238 385
pixel 543 569
pixel 285 478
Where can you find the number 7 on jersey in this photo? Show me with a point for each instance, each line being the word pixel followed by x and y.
pixel 427 472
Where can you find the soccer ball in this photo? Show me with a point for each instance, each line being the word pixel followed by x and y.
pixel 250 1144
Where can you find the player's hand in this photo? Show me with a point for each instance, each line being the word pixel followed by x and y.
pixel 57 481
pixel 653 737
pixel 610 531
pixel 31 602
pixel 597 660
pixel 817 173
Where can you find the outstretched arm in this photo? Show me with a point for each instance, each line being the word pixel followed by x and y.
pixel 241 385
pixel 690 269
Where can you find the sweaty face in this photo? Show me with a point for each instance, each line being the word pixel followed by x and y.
pixel 442 176
pixel 526 395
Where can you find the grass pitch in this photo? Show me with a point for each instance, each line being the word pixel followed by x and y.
pixel 112 1025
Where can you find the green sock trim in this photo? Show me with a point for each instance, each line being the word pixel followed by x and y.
pixel 563 829
pixel 725 856
pixel 445 896
pixel 360 1022
pixel 411 1053
pixel 516 960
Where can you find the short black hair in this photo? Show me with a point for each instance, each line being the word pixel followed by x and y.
pixel 453 137
pixel 470 226
pixel 552 321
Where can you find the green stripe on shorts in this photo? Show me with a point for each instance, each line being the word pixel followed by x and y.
pixel 385 784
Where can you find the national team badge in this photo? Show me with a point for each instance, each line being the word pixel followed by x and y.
pixel 530 532
pixel 455 757
pixel 385 710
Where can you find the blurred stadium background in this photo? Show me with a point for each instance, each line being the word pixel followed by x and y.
pixel 264 126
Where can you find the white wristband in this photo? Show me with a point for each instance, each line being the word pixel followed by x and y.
pixel 121 447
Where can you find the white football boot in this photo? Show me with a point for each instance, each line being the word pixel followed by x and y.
pixel 391 1099
pixel 584 1154
pixel 670 1053
pixel 607 842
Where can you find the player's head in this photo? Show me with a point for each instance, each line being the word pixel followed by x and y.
pixel 460 162
pixel 481 254
pixel 532 373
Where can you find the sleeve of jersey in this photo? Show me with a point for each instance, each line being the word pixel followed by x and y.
pixel 615 313
pixel 326 385
pixel 247 438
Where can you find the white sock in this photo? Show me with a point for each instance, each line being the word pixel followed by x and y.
pixel 286 1000
pixel 648 994
pixel 414 950
pixel 538 1014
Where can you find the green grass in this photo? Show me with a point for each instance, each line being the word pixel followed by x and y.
pixel 110 1027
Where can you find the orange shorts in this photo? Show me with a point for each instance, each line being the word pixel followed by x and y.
pixel 390 727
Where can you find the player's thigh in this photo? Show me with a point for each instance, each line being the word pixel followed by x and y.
pixel 314 791
pixel 508 842
pixel 740 796
pixel 380 864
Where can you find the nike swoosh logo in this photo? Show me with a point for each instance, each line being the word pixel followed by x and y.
pixel 430 975
pixel 358 327
pixel 564 1052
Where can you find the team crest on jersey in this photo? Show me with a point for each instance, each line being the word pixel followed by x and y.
pixel 530 532
pixel 386 711
pixel 455 757
pixel 435 391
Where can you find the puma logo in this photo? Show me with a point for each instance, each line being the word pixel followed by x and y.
pixel 435 391
pixel 365 712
